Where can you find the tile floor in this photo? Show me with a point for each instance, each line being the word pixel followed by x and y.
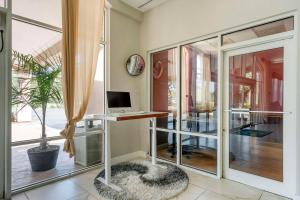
pixel 200 188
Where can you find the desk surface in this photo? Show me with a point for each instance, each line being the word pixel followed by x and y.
pixel 132 116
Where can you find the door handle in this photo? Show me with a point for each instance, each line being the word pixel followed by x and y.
pixel 244 111
pixel 2 41
pixel 239 110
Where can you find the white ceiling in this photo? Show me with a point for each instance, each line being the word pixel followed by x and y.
pixel 143 5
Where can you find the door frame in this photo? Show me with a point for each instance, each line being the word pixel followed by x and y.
pixel 286 40
pixel 5 106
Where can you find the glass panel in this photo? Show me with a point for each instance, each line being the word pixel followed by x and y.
pixel 271 28
pixel 199 152
pixel 46 11
pixel 1 3
pixel 256 138
pixel 164 87
pixel 166 145
pixel 30 39
pixel 199 87
pixel 96 101
pixel 40 43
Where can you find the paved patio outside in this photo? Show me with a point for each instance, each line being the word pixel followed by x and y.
pixel 55 122
pixel 22 175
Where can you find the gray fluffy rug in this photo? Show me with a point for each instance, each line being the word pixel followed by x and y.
pixel 140 180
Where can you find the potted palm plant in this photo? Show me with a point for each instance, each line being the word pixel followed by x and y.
pixel 41 87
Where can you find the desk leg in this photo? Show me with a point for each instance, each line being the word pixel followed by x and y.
pixel 153 148
pixel 107 159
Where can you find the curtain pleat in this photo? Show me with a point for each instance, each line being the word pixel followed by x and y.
pixel 82 24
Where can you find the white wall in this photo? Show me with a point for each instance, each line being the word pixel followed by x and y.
pixel 180 20
pixel 125 33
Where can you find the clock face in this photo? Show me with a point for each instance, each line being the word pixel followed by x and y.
pixel 158 70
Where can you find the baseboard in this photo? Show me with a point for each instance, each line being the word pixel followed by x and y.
pixel 127 157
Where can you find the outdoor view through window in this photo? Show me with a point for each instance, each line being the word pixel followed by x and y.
pixel 37 101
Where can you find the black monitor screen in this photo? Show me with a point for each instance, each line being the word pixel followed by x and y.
pixel 118 99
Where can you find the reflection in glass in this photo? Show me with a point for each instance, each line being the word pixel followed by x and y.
pixel 166 145
pixel 199 86
pixel 199 152
pixel 271 28
pixel 164 87
pixel 256 138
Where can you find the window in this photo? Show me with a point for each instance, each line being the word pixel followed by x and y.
pixel 256 84
pixel 166 145
pixel 198 80
pixel 199 152
pixel 164 87
pixel 36 32
pixel 97 100
pixel 32 40
pixel 45 11
pixel 199 72
pixel 270 28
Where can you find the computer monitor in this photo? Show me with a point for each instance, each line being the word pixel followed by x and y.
pixel 118 101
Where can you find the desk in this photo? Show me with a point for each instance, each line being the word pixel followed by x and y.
pixel 124 117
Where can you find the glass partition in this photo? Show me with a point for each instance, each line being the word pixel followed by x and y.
pixel 256 120
pixel 35 40
pixel 270 28
pixel 41 44
pixel 166 145
pixel 199 72
pixel 164 88
pixel 199 152
pixel 45 11
pixel 97 102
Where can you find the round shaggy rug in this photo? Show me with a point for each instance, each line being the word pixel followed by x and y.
pixel 140 180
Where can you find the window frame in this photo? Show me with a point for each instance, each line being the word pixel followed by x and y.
pixel 105 42
pixel 39 24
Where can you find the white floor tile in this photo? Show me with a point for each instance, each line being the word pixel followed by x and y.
pixel 201 187
pixel 270 196
pixel 62 190
pixel 86 196
pixel 225 187
pixel 212 196
pixel 86 181
pixel 191 193
pixel 20 196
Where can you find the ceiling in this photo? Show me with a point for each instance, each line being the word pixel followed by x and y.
pixel 143 5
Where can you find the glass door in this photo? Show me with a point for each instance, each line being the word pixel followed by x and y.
pixel 258 119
